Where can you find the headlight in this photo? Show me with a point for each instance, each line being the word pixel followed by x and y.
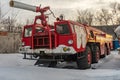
pixel 70 42
pixel 66 49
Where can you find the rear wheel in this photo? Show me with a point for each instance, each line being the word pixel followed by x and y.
pixel 85 62
pixel 96 55
pixel 108 50
pixel 105 52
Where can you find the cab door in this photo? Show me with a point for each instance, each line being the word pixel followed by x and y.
pixel 63 33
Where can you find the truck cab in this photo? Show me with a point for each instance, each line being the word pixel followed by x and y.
pixel 70 33
pixel 64 37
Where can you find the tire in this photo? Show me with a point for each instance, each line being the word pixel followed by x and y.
pixel 105 52
pixel 52 64
pixel 25 54
pixel 108 50
pixel 96 55
pixel 85 62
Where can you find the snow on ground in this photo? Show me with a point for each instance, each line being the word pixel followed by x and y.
pixel 110 62
pixel 13 67
pixel 14 60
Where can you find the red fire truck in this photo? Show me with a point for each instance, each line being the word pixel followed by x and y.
pixel 66 40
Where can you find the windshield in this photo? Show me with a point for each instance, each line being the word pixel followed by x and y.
pixel 28 32
pixel 62 29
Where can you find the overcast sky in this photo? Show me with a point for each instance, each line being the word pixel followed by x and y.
pixel 66 7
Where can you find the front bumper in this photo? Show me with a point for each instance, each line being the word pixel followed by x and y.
pixel 61 49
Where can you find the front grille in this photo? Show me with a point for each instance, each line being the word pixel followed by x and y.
pixel 42 41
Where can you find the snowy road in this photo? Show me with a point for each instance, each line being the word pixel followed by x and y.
pixel 112 61
pixel 13 67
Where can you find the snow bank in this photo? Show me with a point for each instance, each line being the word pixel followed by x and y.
pixel 13 67
pixel 42 73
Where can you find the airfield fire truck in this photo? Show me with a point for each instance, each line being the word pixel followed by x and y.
pixel 66 40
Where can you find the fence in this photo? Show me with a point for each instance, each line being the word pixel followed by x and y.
pixel 10 43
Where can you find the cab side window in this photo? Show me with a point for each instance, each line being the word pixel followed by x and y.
pixel 28 32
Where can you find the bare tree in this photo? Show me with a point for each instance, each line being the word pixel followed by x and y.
pixel 118 6
pixel 114 7
pixel 0 11
pixel 8 23
pixel 85 17
pixel 103 17
pixel 98 19
pixel 115 13
pixel 29 21
pixel 106 16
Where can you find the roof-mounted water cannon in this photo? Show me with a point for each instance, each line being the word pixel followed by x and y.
pixel 20 5
pixel 42 17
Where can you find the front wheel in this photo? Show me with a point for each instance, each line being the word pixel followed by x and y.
pixel 85 62
pixel 52 64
